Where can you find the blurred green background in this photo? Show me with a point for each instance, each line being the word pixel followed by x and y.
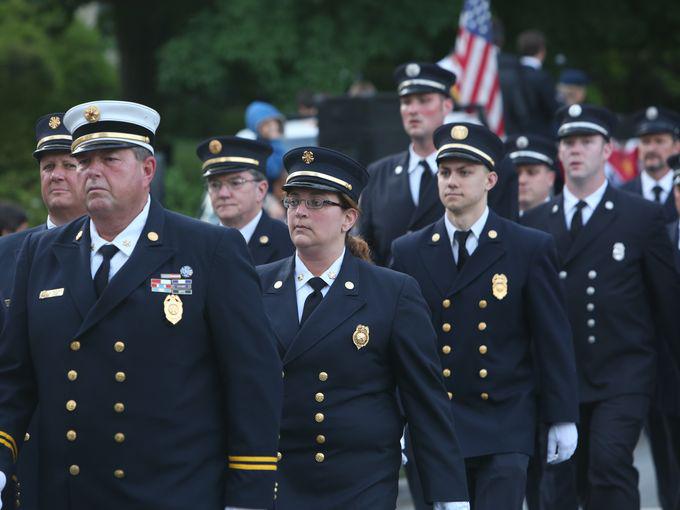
pixel 199 63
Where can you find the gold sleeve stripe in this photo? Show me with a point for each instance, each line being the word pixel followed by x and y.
pixel 6 443
pixel 236 458
pixel 10 439
pixel 253 467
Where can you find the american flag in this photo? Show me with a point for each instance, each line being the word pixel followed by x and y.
pixel 475 63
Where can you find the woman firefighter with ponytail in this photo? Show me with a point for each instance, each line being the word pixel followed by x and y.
pixel 351 335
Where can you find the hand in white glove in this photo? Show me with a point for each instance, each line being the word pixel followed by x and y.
pixel 3 481
pixel 458 505
pixel 404 458
pixel 562 441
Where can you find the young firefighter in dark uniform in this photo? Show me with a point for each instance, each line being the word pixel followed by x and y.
pixel 622 293
pixel 401 195
pixel 235 172
pixel 350 334
pixel 64 200
pixel 494 294
pixel 142 335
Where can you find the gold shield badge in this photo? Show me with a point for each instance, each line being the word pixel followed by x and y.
pixel 499 286
pixel 172 306
pixel 360 336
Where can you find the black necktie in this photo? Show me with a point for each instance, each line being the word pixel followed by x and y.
pixel 461 239
pixel 425 179
pixel 101 277
pixel 313 299
pixel 577 220
pixel 657 193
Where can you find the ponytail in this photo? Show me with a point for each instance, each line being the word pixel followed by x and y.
pixel 358 247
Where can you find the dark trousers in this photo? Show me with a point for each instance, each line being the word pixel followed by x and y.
pixel 601 474
pixel 663 432
pixel 537 492
pixel 494 481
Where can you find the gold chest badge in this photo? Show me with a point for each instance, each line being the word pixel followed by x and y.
pixel 360 336
pixel 499 286
pixel 172 306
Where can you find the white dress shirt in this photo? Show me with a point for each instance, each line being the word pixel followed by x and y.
pixel 415 170
pixel 50 224
pixel 303 275
pixel 531 62
pixel 648 183
pixel 248 229
pixel 125 242
pixel 472 240
pixel 591 201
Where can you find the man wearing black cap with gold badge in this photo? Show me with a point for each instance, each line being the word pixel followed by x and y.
pixel 142 335
pixel 494 295
pixel 234 169
pixel 401 195
pixel 658 131
pixel 534 159
pixel 622 292
pixel 350 335
pixel 64 200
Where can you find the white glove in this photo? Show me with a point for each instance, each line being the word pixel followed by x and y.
pixel 562 441
pixel 458 505
pixel 3 481
pixel 404 458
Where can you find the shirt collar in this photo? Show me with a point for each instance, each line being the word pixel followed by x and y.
pixel 414 160
pixel 648 182
pixel 570 200
pixel 476 228
pixel 303 275
pixel 50 224
pixel 531 62
pixel 127 239
pixel 248 229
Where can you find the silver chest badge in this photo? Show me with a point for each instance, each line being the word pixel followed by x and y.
pixel 618 251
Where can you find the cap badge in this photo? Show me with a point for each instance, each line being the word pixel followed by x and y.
pixel 215 146
pixel 92 113
pixel 522 142
pixel 652 113
pixel 459 132
pixel 499 286
pixel 307 157
pixel 412 70
pixel 575 110
pixel 360 336
pixel 54 122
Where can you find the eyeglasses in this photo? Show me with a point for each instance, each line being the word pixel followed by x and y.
pixel 310 203
pixel 215 186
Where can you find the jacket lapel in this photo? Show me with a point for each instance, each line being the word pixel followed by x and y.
pixel 488 251
pixel 147 256
pixel 74 258
pixel 604 214
pixel 558 228
pixel 260 242
pixel 438 257
pixel 281 304
pixel 335 308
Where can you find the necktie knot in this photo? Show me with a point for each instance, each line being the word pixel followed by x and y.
pixel 461 236
pixel 317 283
pixel 657 190
pixel 108 251
pixel 580 205
pixel 426 167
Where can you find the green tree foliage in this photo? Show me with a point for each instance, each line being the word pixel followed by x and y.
pixel 47 64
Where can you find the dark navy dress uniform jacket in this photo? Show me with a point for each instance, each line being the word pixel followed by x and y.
pixel 622 292
pixel 387 207
pixel 341 420
pixel 138 413
pixel 270 241
pixel 486 336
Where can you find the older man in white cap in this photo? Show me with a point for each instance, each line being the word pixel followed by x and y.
pixel 143 336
